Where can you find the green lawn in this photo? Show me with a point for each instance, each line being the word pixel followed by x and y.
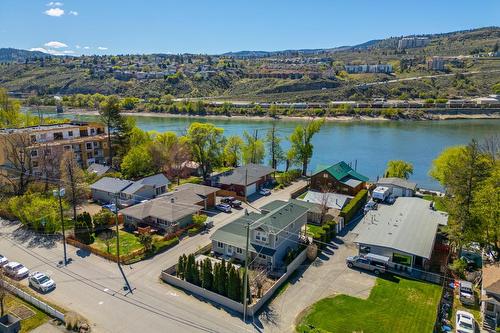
pixel 438 202
pixel 16 305
pixel 128 243
pixel 395 305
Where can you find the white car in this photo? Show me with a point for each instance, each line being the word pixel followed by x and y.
pixel 41 282
pixel 3 261
pixel 15 270
pixel 465 322
pixel 265 191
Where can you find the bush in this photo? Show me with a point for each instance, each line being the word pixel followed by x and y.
pixel 193 231
pixel 103 220
pixel 36 211
pixel 459 266
pixel 159 246
pixel 350 210
pixel 199 219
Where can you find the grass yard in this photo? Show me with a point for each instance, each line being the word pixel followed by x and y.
pixel 395 305
pixel 21 309
pixel 128 243
pixel 438 202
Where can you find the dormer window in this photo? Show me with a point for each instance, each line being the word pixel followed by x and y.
pixel 261 236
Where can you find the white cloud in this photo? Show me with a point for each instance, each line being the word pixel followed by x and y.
pixel 48 51
pixel 55 44
pixel 56 12
pixel 78 47
pixel 102 48
pixel 68 52
pixel 86 47
pixel 54 4
pixel 72 12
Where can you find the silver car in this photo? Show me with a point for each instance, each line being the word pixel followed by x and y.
pixel 15 270
pixel 365 263
pixel 41 282
pixel 3 261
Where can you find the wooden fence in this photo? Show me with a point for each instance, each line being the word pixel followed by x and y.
pixel 226 193
pixel 297 193
pixel 123 258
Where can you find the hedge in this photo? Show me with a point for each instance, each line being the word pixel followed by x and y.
pixel 350 210
pixel 165 244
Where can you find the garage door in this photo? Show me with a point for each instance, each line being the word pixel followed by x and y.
pixel 397 191
pixel 251 189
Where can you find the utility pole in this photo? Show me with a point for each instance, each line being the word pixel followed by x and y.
pixel 246 183
pixel 59 193
pixel 118 245
pixel 245 279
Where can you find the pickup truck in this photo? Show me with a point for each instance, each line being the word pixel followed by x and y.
pixel 365 263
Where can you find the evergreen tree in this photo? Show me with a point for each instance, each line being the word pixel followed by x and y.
pixel 222 286
pixel 215 284
pixel 207 275
pixel 180 267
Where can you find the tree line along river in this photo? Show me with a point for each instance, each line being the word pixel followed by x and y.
pixel 366 144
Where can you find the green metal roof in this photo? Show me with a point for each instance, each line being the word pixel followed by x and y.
pixel 341 171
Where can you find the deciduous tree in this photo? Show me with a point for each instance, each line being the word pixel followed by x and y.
pixel 301 140
pixel 232 151
pixel 206 143
pixel 398 169
pixel 276 153
pixel 253 149
pixel 73 180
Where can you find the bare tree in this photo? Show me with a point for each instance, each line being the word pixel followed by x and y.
pixel 73 178
pixel 48 164
pixel 491 147
pixel 17 169
pixel 3 294
pixel 107 237
pixel 258 279
pixel 325 197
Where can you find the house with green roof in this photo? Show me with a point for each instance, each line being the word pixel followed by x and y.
pixel 338 178
pixel 275 231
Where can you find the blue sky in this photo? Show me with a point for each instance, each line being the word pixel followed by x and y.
pixel 216 26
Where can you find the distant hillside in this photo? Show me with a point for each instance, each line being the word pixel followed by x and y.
pixel 318 74
pixel 11 55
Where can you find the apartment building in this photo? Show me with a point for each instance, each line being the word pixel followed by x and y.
pixel 88 141
pixel 412 42
pixel 378 68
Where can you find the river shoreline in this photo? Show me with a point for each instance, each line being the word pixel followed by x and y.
pixel 450 115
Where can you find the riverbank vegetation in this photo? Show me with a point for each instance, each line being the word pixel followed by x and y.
pixel 470 176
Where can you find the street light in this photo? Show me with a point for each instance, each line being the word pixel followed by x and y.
pixel 59 193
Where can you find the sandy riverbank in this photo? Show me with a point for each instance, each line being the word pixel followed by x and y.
pixel 493 114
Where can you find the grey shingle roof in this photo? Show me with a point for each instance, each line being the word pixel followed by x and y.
pixel 161 208
pixel 98 169
pixel 333 200
pixel 282 215
pixel 397 182
pixel 157 180
pixel 409 225
pixel 245 175
pixel 112 185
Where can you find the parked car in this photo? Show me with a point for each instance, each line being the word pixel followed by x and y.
pixel 465 322
pixel 15 270
pixel 466 291
pixel 223 207
pixel 111 207
pixel 227 200
pixel 41 282
pixel 371 205
pixel 369 262
pixel 3 261
pixel 231 201
pixel 265 191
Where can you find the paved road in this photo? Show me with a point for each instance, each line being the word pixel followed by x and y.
pixel 93 286
pixel 327 276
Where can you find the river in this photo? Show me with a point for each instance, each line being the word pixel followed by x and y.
pixel 367 144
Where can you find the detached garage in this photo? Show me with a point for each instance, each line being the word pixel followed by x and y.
pixel 398 187
pixel 246 180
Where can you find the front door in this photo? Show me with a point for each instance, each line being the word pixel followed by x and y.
pixel 229 250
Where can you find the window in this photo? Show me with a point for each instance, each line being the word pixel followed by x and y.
pixel 58 136
pixel 239 250
pixel 92 131
pixel 262 256
pixel 220 245
pixel 261 236
pixel 490 307
pixel 67 147
pixel 325 175
pixel 33 138
pixel 70 133
pixel 34 153
pixel 43 136
pixel 35 164
pixel 88 145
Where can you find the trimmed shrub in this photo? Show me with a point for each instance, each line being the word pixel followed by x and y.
pixel 165 244
pixel 350 210
pixel 194 231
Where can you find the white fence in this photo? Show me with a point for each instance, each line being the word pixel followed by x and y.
pixel 33 301
pixel 168 277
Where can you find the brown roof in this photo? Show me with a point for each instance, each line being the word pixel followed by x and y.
pixel 491 278
pixel 161 208
pixel 197 189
